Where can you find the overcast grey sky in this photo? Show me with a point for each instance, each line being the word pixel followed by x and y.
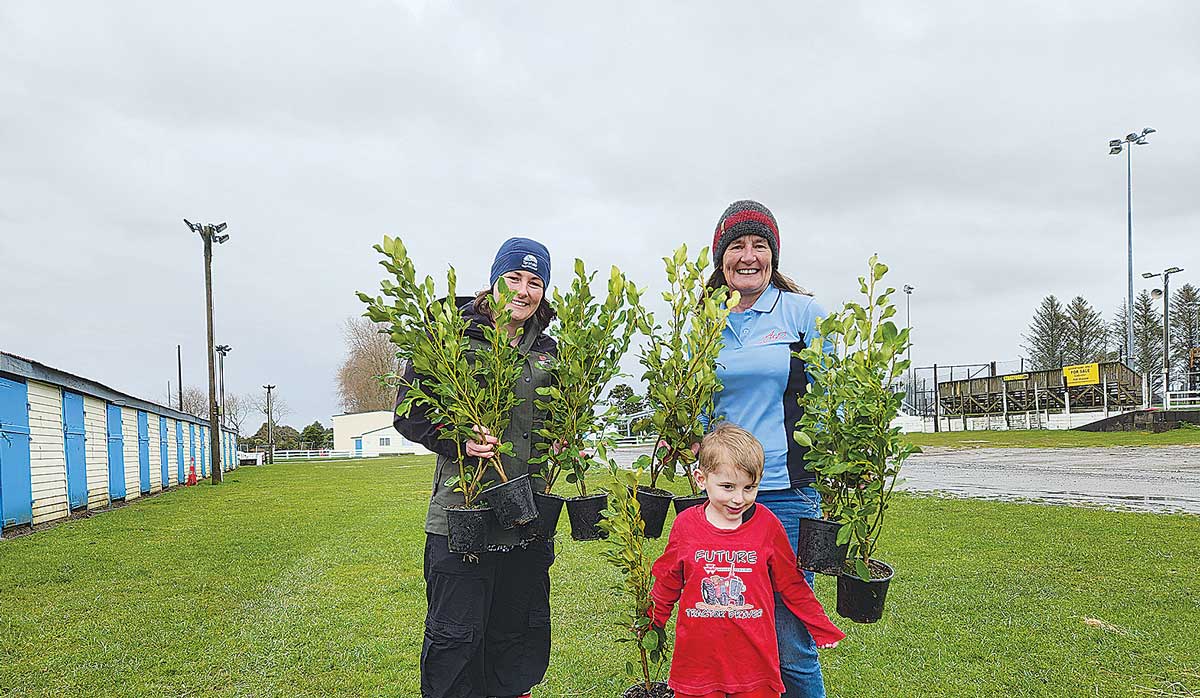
pixel 966 146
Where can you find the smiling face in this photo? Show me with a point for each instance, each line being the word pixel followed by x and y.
pixel 731 490
pixel 529 289
pixel 747 266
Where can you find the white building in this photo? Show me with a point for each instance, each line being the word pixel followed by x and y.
pixel 371 434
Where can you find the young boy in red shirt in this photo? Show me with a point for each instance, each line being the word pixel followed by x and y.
pixel 723 563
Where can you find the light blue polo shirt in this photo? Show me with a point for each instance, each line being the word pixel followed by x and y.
pixel 763 381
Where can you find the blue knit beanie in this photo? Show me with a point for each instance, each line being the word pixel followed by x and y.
pixel 522 254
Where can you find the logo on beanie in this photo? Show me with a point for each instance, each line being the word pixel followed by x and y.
pixel 529 262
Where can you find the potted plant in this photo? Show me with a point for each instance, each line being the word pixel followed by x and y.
pixel 461 388
pixel 592 337
pixel 853 447
pixel 625 549
pixel 681 369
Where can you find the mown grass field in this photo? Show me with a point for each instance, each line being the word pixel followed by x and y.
pixel 1046 438
pixel 305 579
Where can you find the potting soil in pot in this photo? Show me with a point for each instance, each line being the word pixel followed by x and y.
pixel 549 508
pixel 653 504
pixel 817 549
pixel 862 602
pixel 682 503
pixel 658 689
pixel 468 529
pixel 512 502
pixel 584 514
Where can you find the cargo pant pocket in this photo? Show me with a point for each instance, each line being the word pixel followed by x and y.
pixel 447 658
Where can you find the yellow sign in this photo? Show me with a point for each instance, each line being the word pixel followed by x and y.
pixel 1017 377
pixel 1082 374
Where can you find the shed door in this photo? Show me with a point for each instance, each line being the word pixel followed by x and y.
pixel 358 445
pixel 116 454
pixel 73 437
pixel 203 452
pixel 144 451
pixel 162 452
pixel 179 476
pixel 16 485
pixel 191 447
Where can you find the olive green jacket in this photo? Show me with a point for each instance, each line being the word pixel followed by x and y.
pixel 536 350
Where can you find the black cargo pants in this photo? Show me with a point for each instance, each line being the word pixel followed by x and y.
pixel 487 630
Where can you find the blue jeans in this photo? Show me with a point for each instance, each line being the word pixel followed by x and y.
pixel 798 663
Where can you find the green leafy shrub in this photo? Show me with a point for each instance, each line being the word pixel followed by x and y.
pixel 854 450
pixel 681 362
pixel 461 388
pixel 625 550
pixel 592 337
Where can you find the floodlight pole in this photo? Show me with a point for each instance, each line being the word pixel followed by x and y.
pixel 908 324
pixel 209 232
pixel 1166 297
pixel 270 428
pixel 1115 147
pixel 222 350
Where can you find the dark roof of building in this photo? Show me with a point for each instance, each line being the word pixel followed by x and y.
pixel 29 369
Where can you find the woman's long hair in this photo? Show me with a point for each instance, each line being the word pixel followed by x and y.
pixel 543 315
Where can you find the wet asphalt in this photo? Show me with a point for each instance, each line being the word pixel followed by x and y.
pixel 1160 479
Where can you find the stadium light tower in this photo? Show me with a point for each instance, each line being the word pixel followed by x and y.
pixel 908 325
pixel 1166 298
pixel 1115 147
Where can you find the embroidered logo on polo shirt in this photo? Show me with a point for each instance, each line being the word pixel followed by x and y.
pixel 773 336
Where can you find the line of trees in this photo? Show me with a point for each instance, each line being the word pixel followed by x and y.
pixel 1076 333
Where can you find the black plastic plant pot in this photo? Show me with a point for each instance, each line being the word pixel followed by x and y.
pixel 549 508
pixel 654 504
pixel 468 529
pixel 862 602
pixel 512 502
pixel 818 550
pixel 584 514
pixel 689 501
pixel 658 689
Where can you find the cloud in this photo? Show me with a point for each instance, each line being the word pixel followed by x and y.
pixel 965 144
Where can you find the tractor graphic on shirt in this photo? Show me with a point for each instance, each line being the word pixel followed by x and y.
pixel 725 591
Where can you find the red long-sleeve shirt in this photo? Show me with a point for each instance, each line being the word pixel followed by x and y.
pixel 725 582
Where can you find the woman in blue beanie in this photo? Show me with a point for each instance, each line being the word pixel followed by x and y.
pixel 487 627
pixel 763 382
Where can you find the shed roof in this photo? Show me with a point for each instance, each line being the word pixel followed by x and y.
pixel 32 370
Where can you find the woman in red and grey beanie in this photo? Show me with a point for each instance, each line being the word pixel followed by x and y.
pixel 763 382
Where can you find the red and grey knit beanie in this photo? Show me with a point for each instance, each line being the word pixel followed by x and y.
pixel 745 218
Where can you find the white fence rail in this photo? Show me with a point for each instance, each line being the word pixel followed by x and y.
pixel 321 454
pixel 1182 400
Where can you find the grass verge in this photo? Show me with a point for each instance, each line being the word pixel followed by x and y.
pixel 1045 438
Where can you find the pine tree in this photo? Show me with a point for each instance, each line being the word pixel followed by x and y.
pixel 1147 336
pixel 1116 336
pixel 1185 327
pixel 1086 334
pixel 1046 342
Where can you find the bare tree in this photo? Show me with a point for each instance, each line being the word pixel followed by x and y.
pixel 370 357
pixel 279 408
pixel 237 408
pixel 195 401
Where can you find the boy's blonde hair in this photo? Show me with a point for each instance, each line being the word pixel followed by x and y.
pixel 730 444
